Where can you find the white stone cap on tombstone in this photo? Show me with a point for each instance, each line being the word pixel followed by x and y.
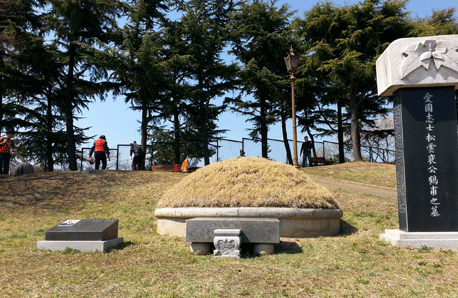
pixel 430 61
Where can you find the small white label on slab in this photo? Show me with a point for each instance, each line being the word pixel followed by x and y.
pixel 69 222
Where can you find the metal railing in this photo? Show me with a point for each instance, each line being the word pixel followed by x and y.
pixel 226 149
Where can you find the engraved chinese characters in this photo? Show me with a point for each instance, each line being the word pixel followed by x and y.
pixel 427 159
pixel 432 169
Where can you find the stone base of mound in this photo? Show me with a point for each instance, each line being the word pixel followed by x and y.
pixel 294 223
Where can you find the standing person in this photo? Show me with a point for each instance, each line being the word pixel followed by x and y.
pixel 307 149
pixel 139 156
pixel 101 152
pixel 7 146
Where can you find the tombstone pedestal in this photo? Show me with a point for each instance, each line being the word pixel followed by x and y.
pixel 87 246
pixel 437 240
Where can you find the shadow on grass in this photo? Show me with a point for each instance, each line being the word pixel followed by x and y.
pixel 285 247
pixel 121 246
pixel 12 202
pixel 346 229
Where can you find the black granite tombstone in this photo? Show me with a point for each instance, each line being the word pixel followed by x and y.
pixel 83 230
pixel 426 159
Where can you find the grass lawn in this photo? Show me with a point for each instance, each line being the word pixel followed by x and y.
pixel 355 263
pixel 371 173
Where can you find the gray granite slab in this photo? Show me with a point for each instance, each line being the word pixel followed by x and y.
pixel 83 230
pixel 254 230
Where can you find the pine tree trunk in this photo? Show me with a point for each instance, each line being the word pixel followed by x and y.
pixel 264 147
pixel 68 108
pixel 285 137
pixel 355 137
pixel 176 127
pixel 1 108
pixel 144 125
pixel 203 124
pixel 340 134
pixel 2 65
pixel 49 133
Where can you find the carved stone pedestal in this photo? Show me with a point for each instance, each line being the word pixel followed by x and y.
pixel 227 243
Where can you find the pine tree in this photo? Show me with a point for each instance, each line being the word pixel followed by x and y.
pixel 17 18
pixel 205 33
pixel 344 43
pixel 77 26
pixel 261 36
pixel 35 92
pixel 440 22
pixel 174 108
pixel 43 135
pixel 139 66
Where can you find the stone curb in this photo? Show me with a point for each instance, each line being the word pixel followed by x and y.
pixel 275 212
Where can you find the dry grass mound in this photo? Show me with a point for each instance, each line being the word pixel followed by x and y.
pixel 248 182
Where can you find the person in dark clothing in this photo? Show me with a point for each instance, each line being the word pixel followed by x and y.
pixel 139 156
pixel 307 149
pixel 7 146
pixel 101 152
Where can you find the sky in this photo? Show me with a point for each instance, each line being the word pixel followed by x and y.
pixel 120 124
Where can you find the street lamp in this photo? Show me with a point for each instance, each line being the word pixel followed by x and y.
pixel 292 62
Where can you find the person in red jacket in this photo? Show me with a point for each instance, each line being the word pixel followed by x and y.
pixel 101 152
pixel 7 146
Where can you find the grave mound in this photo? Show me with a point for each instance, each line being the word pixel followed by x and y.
pixel 248 182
